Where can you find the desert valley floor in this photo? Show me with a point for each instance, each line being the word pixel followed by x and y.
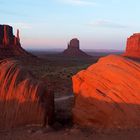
pixel 57 71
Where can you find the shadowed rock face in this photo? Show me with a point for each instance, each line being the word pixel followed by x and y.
pixel 6 35
pixel 74 44
pixel 23 99
pixel 107 94
pixel 133 46
pixel 73 49
pixel 10 44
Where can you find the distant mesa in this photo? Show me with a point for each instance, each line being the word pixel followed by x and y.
pixel 10 44
pixel 73 49
pixel 133 46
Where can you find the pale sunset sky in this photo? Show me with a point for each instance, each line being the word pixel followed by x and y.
pixel 98 24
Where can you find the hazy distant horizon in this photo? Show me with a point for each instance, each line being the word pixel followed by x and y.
pixel 83 47
pixel 96 23
pixel 62 49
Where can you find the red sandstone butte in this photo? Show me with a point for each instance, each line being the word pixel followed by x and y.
pixel 10 44
pixel 133 46
pixel 23 99
pixel 107 94
pixel 73 49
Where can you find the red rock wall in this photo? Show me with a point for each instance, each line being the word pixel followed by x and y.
pixel 74 43
pixel 6 35
pixel 133 45
pixel 107 94
pixel 9 44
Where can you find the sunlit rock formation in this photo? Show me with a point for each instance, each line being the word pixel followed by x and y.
pixel 133 46
pixel 9 44
pixel 107 94
pixel 73 49
pixel 23 99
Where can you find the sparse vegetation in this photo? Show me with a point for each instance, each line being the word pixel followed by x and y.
pixel 57 70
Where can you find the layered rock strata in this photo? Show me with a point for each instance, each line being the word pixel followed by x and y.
pixel 23 99
pixel 107 94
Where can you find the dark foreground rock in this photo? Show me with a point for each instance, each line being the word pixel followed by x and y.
pixel 23 99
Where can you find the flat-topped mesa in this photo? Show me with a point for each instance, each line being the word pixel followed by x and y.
pixel 135 34
pixel 10 44
pixel 73 49
pixel 133 45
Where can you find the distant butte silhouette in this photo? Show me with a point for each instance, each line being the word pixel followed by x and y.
pixel 73 49
pixel 10 44
pixel 133 46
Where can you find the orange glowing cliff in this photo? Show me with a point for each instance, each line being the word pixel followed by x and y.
pixel 133 46
pixel 107 94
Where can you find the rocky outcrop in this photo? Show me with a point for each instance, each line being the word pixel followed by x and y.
pixel 107 94
pixel 73 49
pixel 23 99
pixel 9 44
pixel 133 46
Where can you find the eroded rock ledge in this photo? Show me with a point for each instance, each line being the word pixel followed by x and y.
pixel 23 99
pixel 107 94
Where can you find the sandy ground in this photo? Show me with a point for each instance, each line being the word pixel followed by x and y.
pixel 63 129
pixel 36 133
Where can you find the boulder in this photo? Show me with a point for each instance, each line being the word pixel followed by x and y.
pixel 23 99
pixel 107 94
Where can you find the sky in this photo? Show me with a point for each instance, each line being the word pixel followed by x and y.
pixel 49 24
